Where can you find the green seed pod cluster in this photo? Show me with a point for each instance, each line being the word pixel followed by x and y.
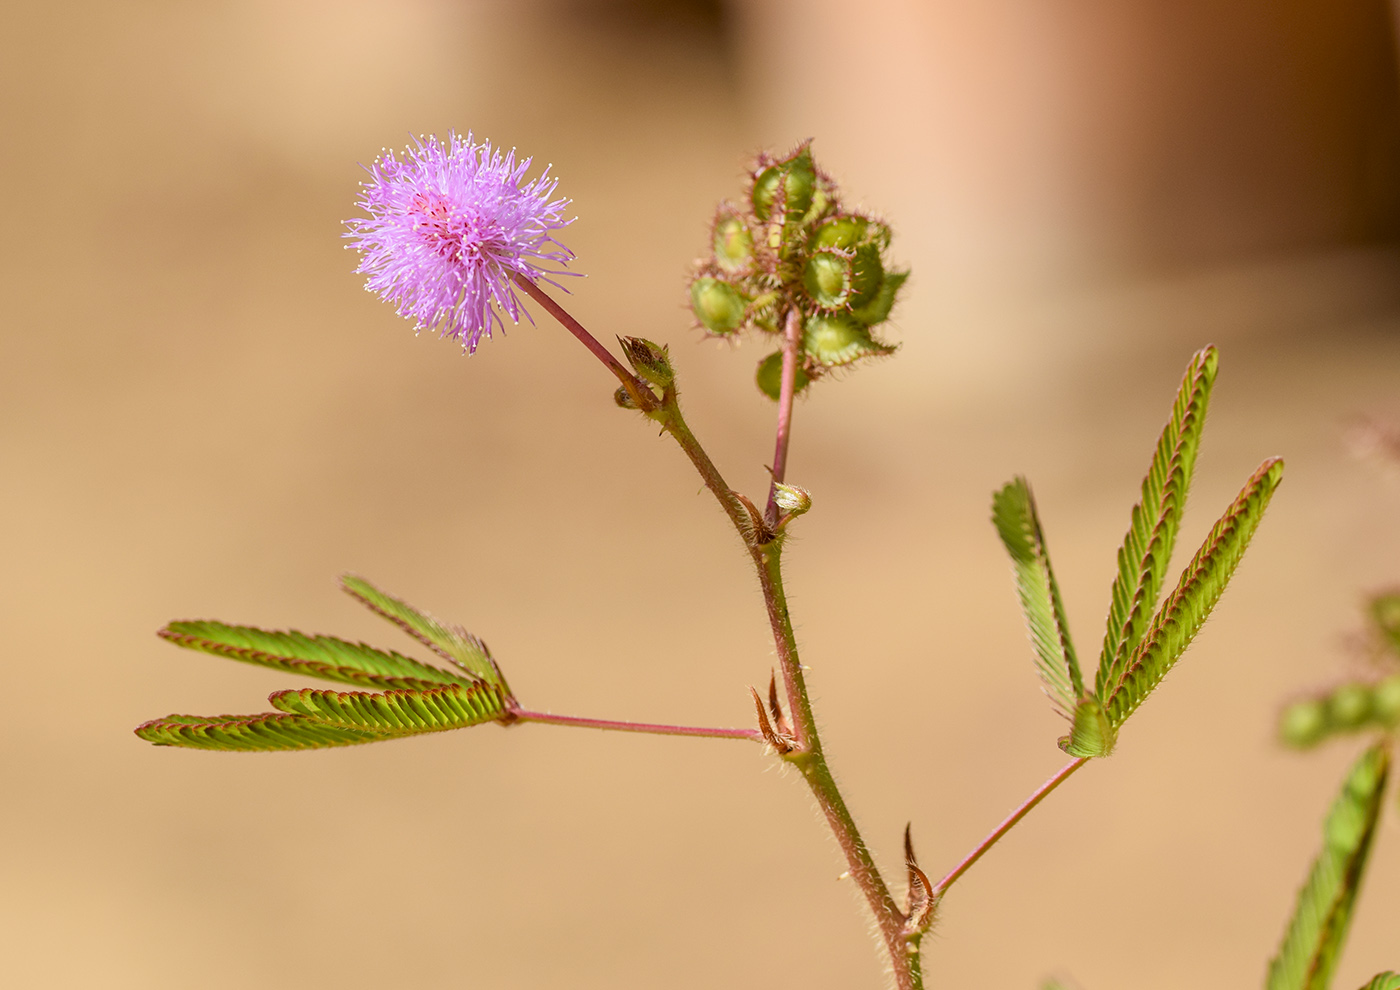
pixel 793 247
pixel 1352 707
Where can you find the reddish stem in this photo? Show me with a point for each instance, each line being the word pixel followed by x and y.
pixel 617 726
pixel 635 387
pixel 792 340
pixel 1006 826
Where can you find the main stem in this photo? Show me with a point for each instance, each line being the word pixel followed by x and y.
pixel 811 761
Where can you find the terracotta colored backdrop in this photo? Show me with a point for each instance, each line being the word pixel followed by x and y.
pixel 202 415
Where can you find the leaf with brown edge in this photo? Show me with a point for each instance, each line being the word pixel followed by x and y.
pixel 314 656
pixel 1200 587
pixel 450 642
pixel 268 732
pixel 1156 518
pixel 397 712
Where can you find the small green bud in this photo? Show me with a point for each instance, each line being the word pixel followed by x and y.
pixel 867 275
pixel 827 278
pixel 1303 723
pixel 1350 705
pixel 649 360
pixel 792 500
pixel 770 376
pixel 623 399
pixel 1386 700
pixel 879 308
pixel 718 307
pixel 837 339
pixel 733 243
pixel 843 233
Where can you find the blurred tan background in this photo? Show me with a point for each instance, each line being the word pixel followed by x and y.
pixel 201 415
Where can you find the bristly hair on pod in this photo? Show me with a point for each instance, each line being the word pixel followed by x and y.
pixel 450 226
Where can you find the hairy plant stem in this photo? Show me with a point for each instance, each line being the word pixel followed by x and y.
pixel 808 757
pixel 792 343
pixel 547 718
pixel 1009 822
pixel 763 538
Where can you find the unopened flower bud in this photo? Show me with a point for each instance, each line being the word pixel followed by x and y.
pixel 791 499
pixel 717 305
pixel 770 376
pixel 649 360
pixel 623 398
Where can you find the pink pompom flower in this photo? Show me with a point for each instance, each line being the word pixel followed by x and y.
pixel 450 226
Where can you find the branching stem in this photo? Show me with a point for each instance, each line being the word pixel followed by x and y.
pixel 1040 795
pixel 753 735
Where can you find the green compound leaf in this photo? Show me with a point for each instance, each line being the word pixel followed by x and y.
pixel 1147 547
pixel 1319 925
pixel 1013 512
pixel 452 643
pixel 251 733
pixel 1350 708
pixel 396 712
pixel 1200 587
pixel 1384 981
pixel 312 719
pixel 315 656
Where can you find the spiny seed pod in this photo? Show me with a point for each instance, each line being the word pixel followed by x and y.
pixel 733 243
pixel 770 376
pixel 833 340
pixel 842 232
pixel 794 179
pixel 867 275
pixel 882 303
pixel 717 305
pixel 828 279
